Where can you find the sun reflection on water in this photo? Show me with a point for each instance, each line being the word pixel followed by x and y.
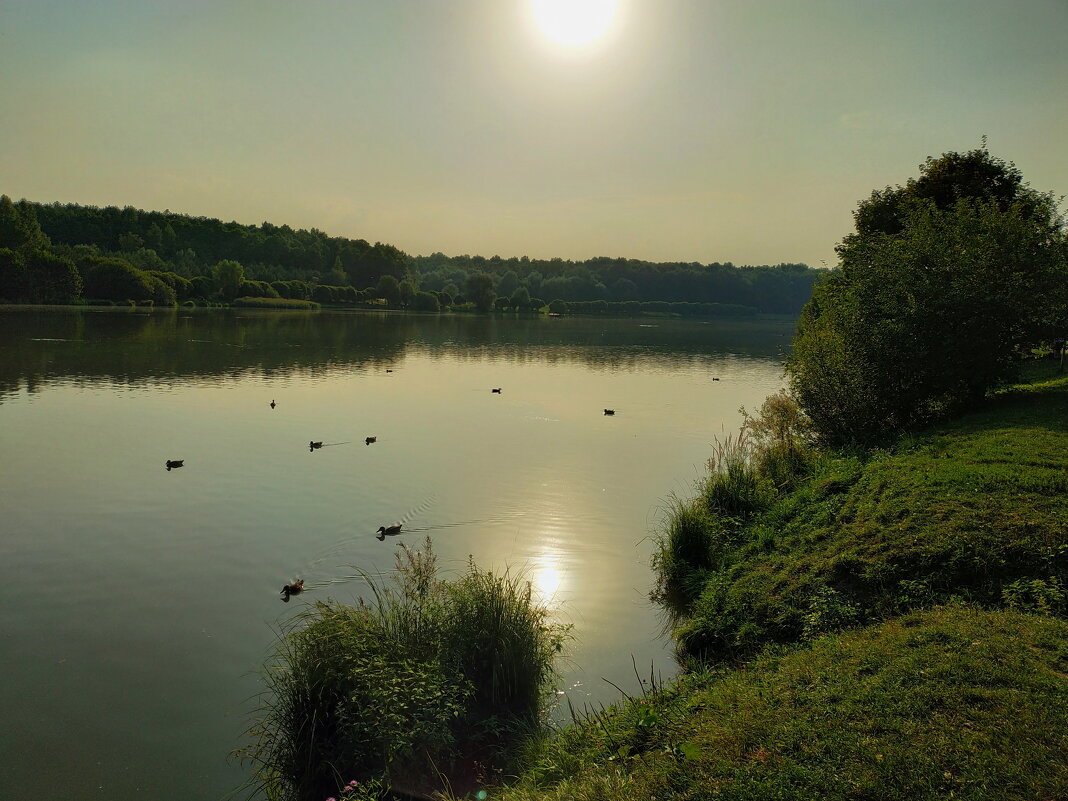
pixel 546 577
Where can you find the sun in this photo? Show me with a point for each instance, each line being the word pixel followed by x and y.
pixel 574 23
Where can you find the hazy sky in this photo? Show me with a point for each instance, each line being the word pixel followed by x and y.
pixel 693 130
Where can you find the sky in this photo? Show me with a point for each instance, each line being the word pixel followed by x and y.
pixel 689 130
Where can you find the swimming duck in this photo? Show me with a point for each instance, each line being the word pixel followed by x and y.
pixel 609 411
pixel 172 463
pixel 296 588
pixel 314 445
pixel 369 440
pixel 272 403
pixel 496 391
pixel 390 530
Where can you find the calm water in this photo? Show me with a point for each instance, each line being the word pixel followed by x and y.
pixel 141 602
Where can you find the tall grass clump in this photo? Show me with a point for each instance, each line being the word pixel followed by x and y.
pixel 734 487
pixel 769 455
pixel 691 544
pixel 428 681
pixel 747 473
pixel 781 438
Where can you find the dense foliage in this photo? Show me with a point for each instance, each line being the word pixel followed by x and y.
pixel 207 260
pixel 929 308
pixel 782 289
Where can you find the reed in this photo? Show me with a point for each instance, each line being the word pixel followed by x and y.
pixel 410 682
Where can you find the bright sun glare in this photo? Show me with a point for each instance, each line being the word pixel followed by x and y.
pixel 574 23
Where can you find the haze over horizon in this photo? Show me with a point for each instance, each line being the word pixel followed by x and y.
pixel 675 130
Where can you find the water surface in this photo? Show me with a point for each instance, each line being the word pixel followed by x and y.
pixel 142 600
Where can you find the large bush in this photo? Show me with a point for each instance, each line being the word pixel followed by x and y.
pixel 428 676
pixel 920 322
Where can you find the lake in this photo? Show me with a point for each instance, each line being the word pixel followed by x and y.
pixel 141 602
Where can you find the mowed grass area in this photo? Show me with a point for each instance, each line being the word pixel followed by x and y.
pixel 974 511
pixel 950 703
pixel 892 628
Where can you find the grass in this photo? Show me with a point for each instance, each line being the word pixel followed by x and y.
pixel 974 510
pixel 275 303
pixel 427 682
pixel 949 703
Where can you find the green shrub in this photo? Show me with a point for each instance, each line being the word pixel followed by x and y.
pixel 405 685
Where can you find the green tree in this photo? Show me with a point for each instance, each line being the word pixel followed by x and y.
pixel 508 283
pixel 185 263
pixel 480 290
pixel 520 299
pixel 130 242
pixel 18 226
pixel 407 291
pixel 13 279
pixel 918 323
pixel 115 279
pixel 228 275
pixel 975 174
pixel 154 238
pixel 425 301
pixel 337 276
pixel 389 288
pixel 51 279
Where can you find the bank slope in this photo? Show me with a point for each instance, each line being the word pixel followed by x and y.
pixel 892 629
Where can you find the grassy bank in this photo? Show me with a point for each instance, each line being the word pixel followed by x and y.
pixel 950 703
pixel 890 626
pixel 973 511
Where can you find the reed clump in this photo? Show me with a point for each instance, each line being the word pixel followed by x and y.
pixel 275 303
pixel 425 683
pixel 747 473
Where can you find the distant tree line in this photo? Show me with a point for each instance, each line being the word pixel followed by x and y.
pixel 782 289
pixel 56 253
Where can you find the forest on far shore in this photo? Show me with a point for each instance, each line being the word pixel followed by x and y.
pixel 67 253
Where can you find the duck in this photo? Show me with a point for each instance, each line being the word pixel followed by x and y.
pixel 272 403
pixel 173 463
pixel 609 411
pixel 296 588
pixel 383 531
pixel 496 391
pixel 715 379
pixel 313 445
pixel 369 440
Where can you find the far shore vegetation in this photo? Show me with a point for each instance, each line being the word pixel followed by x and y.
pixel 65 254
